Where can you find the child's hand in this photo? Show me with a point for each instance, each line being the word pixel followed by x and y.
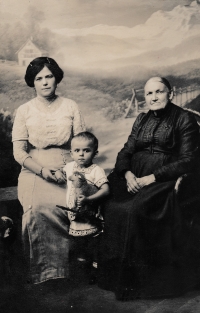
pixel 60 177
pixel 81 201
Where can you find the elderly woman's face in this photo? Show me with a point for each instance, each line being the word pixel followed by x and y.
pixel 45 83
pixel 156 95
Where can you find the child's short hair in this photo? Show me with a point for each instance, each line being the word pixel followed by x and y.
pixel 88 136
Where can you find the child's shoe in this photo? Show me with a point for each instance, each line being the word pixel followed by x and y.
pixel 93 274
pixel 82 256
pixel 81 259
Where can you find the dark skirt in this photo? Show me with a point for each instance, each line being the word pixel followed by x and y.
pixel 145 250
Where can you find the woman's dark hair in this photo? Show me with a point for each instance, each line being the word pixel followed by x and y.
pixel 37 65
pixel 88 136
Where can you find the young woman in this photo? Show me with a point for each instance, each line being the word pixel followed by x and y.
pixel 42 132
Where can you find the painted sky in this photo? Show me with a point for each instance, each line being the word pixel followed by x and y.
pixel 117 36
pixel 87 13
pixel 167 37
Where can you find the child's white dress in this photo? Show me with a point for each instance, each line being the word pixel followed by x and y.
pixel 94 175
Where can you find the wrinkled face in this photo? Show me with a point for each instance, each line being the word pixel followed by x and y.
pixel 82 151
pixel 156 95
pixel 45 83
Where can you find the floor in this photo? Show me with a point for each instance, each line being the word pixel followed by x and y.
pixel 76 295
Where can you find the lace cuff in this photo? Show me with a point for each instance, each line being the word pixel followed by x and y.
pixel 101 181
pixel 20 148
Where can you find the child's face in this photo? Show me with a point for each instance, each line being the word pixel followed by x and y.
pixel 82 151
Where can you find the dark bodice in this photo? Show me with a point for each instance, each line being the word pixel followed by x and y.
pixel 155 134
pixel 172 137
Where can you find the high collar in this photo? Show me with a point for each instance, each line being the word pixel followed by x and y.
pixel 86 170
pixel 162 112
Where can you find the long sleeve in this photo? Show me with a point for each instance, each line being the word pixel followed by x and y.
pixel 20 148
pixel 187 136
pixel 123 162
pixel 20 138
pixel 20 131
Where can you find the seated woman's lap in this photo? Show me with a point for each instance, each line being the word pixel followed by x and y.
pixel 144 236
pixel 144 224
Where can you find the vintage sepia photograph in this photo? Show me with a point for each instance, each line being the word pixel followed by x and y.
pixel 100 156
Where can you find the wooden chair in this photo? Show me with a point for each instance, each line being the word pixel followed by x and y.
pixel 187 189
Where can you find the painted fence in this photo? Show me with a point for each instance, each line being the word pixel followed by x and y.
pixel 181 97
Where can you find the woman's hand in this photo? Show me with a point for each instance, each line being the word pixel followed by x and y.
pixel 132 184
pixel 60 177
pixel 146 180
pixel 47 175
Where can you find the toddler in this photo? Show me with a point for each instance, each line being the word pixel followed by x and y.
pixel 84 224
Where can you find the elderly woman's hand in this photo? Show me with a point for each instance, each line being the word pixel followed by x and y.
pixel 145 180
pixel 132 184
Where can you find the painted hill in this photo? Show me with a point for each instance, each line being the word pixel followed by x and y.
pixel 166 38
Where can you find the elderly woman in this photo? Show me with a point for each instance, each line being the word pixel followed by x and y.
pixel 42 131
pixel 143 252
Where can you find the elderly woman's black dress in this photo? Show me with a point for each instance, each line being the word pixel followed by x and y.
pixel 145 245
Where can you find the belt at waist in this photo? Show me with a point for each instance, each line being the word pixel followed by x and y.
pixel 65 147
pixel 157 150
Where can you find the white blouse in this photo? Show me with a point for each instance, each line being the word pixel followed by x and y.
pixel 42 125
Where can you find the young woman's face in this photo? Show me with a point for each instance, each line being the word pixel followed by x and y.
pixel 157 95
pixel 82 151
pixel 45 83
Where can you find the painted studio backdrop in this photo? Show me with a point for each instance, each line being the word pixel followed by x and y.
pixel 108 49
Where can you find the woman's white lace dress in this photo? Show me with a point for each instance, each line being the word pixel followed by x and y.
pixel 44 133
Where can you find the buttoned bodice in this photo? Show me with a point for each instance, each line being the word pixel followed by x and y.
pixel 45 126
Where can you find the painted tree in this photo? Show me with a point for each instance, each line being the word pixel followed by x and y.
pixel 14 35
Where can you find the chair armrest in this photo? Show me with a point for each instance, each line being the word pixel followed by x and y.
pixel 191 180
pixel 178 183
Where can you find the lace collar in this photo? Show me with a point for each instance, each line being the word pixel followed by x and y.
pixel 85 170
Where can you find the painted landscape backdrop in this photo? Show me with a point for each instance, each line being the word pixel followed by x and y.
pixel 106 48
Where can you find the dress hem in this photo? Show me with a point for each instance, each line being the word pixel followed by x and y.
pixel 50 274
